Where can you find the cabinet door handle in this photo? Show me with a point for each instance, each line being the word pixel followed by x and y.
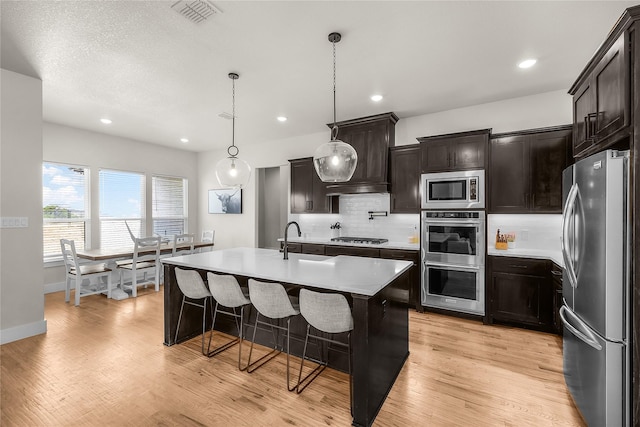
pixel 590 124
pixel 455 158
pixel 556 273
pixel 593 124
pixel 518 266
pixel 587 130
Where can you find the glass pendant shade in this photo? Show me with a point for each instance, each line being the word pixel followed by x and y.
pixel 233 172
pixel 335 161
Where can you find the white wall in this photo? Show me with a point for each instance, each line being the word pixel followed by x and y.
pixel 240 230
pixel 529 112
pixel 21 293
pixel 65 144
pixel 541 110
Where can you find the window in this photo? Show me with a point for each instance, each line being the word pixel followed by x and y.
pixel 169 205
pixel 65 207
pixel 121 199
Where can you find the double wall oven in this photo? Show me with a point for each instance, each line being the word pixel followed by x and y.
pixel 453 241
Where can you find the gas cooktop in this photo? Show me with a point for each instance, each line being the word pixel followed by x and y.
pixel 366 240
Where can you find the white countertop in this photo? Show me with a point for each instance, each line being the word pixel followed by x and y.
pixel 327 241
pixel 358 275
pixel 553 255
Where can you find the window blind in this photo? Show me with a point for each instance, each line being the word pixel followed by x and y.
pixel 169 207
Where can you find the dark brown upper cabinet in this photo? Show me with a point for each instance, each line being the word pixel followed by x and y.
pixel 601 101
pixel 371 137
pixel 308 192
pixel 525 170
pixel 455 151
pixel 404 171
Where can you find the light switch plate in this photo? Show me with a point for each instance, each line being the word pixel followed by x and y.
pixel 15 222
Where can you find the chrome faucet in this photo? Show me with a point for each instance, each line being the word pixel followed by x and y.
pixel 286 238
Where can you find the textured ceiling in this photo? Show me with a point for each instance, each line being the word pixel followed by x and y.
pixel 161 77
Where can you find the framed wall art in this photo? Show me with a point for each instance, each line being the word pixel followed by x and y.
pixel 225 201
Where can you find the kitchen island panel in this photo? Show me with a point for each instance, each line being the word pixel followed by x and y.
pixel 380 338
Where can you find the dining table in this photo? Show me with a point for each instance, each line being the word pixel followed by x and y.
pixel 111 255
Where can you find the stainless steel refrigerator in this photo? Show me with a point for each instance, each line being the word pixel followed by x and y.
pixel 596 288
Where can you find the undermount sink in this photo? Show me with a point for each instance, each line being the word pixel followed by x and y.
pixel 306 259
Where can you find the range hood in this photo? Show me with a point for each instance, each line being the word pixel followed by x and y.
pixel 360 188
pixel 371 137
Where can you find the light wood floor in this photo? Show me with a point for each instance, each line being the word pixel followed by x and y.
pixel 103 363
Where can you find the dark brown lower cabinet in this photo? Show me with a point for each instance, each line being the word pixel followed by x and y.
pixel 331 250
pixel 312 248
pixel 521 293
pixel 556 278
pixel 409 290
pixel 294 248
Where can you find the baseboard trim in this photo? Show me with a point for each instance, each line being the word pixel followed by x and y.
pixel 50 288
pixel 23 331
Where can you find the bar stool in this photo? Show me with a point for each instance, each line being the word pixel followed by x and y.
pixel 272 302
pixel 193 287
pixel 227 293
pixel 328 313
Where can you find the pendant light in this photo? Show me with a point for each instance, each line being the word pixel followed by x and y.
pixel 335 161
pixel 231 171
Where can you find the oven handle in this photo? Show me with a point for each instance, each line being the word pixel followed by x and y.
pixel 456 266
pixel 453 223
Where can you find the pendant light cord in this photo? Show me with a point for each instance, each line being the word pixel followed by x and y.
pixel 334 129
pixel 233 77
pixel 233 112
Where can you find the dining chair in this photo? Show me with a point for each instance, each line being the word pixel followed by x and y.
pixel 272 302
pixel 183 244
pixel 77 272
pixel 146 258
pixel 207 237
pixel 328 313
pixel 193 291
pixel 228 295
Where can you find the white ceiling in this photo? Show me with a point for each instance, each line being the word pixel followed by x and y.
pixel 161 77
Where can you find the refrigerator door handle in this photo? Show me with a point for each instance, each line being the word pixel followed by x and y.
pixel 569 208
pixel 590 340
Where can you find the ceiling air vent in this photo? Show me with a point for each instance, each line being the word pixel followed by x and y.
pixel 196 11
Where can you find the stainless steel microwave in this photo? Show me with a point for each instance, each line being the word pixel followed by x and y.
pixel 453 190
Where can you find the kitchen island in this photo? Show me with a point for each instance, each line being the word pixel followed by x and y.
pixel 380 338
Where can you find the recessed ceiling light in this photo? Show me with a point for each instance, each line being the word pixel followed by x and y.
pixel 527 63
pixel 376 98
pixel 106 121
pixel 184 140
pixel 282 119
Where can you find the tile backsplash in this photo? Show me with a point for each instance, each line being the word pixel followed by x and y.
pixel 532 231
pixel 354 219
